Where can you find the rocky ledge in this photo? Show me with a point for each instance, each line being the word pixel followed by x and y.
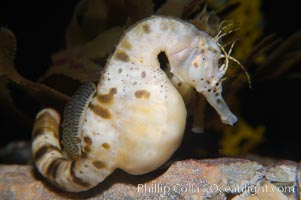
pixel 225 178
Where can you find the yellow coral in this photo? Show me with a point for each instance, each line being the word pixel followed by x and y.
pixel 249 17
pixel 241 139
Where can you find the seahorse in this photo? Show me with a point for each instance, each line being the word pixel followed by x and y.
pixel 134 119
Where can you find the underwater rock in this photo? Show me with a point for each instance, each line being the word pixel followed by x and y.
pixel 223 178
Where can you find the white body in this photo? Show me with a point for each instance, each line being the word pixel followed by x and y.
pixel 137 118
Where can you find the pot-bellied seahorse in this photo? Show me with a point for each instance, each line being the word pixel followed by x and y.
pixel 135 118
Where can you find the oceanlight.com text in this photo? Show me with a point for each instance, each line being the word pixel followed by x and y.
pixel 210 188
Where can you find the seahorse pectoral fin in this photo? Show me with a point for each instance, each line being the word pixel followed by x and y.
pixel 218 103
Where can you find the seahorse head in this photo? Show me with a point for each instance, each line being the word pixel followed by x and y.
pixel 202 70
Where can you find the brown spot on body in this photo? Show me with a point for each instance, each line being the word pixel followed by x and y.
pixel 87 140
pixel 45 122
pixel 105 146
pixel 146 28
pixel 107 98
pixel 75 179
pixel 100 111
pixel 83 155
pixel 123 56
pixel 125 44
pixel 213 50
pixel 53 167
pixel 202 51
pixel 87 149
pixel 142 94
pixel 44 150
pixel 113 91
pixel 98 164
pixel 218 101
pixel 47 115
pixel 195 65
pixel 143 74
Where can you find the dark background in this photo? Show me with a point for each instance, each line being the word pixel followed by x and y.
pixel 40 26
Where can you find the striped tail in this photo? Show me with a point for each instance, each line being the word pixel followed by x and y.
pixel 67 174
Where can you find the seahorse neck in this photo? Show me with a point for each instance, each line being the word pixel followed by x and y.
pixel 141 45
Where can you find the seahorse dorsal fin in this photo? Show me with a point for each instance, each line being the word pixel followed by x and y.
pixel 74 115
